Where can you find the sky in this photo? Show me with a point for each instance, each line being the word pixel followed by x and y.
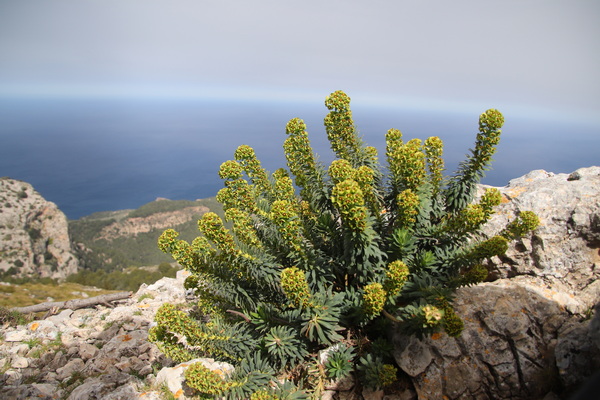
pixel 528 57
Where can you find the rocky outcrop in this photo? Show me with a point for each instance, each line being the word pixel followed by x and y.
pixel 135 225
pixel 99 353
pixel 527 333
pixel 34 239
pixel 561 259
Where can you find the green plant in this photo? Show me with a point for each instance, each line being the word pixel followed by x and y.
pixel 375 373
pixel 10 317
pixel 31 343
pixel 359 247
pixel 145 296
pixel 339 363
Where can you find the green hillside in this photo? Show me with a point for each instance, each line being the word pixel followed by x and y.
pixel 99 252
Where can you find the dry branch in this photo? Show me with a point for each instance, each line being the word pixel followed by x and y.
pixel 74 304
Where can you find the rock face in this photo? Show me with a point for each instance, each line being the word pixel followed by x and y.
pixel 564 252
pixel 526 335
pixel 159 221
pixel 34 238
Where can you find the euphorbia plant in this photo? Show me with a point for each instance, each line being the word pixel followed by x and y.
pixel 317 255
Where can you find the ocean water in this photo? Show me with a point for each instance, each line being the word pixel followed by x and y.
pixel 98 155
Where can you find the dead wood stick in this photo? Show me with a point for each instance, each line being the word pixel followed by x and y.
pixel 74 304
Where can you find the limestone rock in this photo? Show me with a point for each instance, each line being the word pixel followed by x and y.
pixel 561 259
pixel 516 345
pixel 113 386
pixel 34 238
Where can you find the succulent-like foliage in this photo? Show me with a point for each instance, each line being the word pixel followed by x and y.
pixel 314 255
pixel 339 363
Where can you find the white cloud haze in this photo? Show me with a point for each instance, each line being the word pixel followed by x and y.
pixel 527 55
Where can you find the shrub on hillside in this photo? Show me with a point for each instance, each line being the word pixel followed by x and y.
pixel 358 248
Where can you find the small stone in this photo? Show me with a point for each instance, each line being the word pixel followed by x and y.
pixel 72 350
pixel 146 370
pixel 19 362
pixel 124 366
pixel 20 349
pixel 87 351
pixel 369 394
pixel 12 377
pixel 15 336
pixel 71 367
pixel 61 318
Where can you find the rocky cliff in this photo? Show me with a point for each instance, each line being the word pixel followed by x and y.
pixel 34 238
pixel 527 333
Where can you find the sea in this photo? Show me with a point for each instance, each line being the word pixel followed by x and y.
pixel 90 155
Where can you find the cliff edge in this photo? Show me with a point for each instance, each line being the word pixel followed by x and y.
pixel 34 237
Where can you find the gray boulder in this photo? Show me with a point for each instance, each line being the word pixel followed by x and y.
pixel 560 259
pixel 527 332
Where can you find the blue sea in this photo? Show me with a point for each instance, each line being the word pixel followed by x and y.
pixel 106 154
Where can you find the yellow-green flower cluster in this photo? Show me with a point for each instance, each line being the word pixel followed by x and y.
pixel 487 139
pixel 475 274
pixel 180 250
pixel 230 170
pixel 407 164
pixel 168 344
pixel 374 297
pixel 491 120
pixel 434 149
pixel 526 222
pixel 167 240
pixel 284 187
pixel 348 199
pixel 490 199
pixel 371 153
pixel 293 283
pixel 387 375
pixel 237 194
pixel 181 323
pixel 212 226
pixel 242 227
pixel 494 246
pixel 466 220
pixel 176 321
pixel 393 141
pixel 453 325
pixel 202 247
pixel 396 275
pixel 205 381
pixel 298 152
pixel 340 126
pixel 433 316
pixel 340 170
pixel 246 156
pixel 337 101
pixel 408 208
pixel 184 254
pixel 288 223
pixel 263 394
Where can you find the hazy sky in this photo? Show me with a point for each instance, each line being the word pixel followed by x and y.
pixel 530 56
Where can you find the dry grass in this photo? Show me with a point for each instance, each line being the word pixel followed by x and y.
pixel 34 293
